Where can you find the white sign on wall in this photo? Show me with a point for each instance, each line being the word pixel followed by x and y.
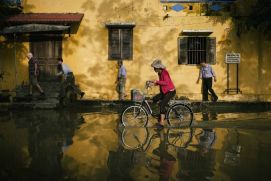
pixel 233 58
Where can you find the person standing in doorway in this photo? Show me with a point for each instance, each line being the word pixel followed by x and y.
pixel 33 74
pixel 121 80
pixel 207 74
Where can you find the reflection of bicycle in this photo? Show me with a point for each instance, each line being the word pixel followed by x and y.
pixel 178 113
pixel 141 139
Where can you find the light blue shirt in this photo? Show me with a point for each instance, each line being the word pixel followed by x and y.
pixel 122 72
pixel 206 72
pixel 66 69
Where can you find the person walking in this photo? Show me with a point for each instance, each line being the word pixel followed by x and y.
pixel 33 74
pixel 206 73
pixel 67 79
pixel 121 80
pixel 167 89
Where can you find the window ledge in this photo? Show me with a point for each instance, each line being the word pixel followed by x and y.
pixel 196 32
pixel 120 25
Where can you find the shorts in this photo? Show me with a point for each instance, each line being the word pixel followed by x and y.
pixel 33 80
pixel 121 85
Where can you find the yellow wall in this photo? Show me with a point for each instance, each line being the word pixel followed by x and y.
pixel 87 51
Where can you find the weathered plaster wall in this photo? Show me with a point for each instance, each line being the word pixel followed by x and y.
pixel 154 37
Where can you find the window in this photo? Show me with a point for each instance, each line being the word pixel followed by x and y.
pixel 193 50
pixel 120 44
pixel 47 49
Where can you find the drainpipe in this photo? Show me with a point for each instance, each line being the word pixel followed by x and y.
pixel 15 66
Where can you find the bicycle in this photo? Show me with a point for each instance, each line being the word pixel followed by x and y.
pixel 140 138
pixel 139 141
pixel 178 113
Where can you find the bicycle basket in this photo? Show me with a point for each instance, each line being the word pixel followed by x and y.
pixel 137 95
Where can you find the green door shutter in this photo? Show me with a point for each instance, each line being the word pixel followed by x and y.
pixel 127 44
pixel 211 50
pixel 182 50
pixel 114 44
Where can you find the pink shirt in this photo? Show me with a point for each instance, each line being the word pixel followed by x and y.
pixel 165 82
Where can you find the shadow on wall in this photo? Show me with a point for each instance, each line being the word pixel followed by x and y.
pixel 7 49
pixel 7 52
pixel 144 52
pixel 248 36
pixel 97 38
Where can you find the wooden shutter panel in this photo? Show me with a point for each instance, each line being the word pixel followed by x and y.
pixel 182 50
pixel 114 44
pixel 127 43
pixel 211 50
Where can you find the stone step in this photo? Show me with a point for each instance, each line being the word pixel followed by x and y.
pixel 35 105
pixel 51 90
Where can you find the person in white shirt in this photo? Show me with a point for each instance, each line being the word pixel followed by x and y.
pixel 207 75
pixel 67 79
pixel 121 80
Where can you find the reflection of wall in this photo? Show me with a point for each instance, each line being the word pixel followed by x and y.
pixel 86 52
pixel 87 156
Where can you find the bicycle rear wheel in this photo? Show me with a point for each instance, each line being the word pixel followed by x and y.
pixel 134 116
pixel 180 137
pixel 180 115
pixel 134 138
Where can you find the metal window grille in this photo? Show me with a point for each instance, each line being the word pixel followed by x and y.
pixel 196 50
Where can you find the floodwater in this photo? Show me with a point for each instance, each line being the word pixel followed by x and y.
pixel 74 146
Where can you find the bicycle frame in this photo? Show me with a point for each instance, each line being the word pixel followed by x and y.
pixel 145 104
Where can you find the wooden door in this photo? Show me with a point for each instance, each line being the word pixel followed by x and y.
pixel 47 49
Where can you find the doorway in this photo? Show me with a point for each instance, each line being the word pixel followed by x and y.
pixel 47 49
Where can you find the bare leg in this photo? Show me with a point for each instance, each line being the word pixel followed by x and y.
pixel 30 89
pixel 162 117
pixel 39 88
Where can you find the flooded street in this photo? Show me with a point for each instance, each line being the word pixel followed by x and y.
pixel 73 146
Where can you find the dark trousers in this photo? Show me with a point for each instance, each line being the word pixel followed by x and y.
pixel 69 82
pixel 165 98
pixel 207 86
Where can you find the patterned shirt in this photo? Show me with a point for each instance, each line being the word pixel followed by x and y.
pixel 206 72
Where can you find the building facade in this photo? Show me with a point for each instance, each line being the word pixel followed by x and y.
pixel 91 36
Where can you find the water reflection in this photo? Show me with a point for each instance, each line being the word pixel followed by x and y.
pixel 233 150
pixel 47 135
pixel 48 138
pixel 55 145
pixel 166 159
pixel 198 162
pixel 120 164
pixel 156 149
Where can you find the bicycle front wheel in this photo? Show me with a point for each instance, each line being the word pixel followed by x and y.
pixel 134 116
pixel 180 137
pixel 134 138
pixel 180 115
